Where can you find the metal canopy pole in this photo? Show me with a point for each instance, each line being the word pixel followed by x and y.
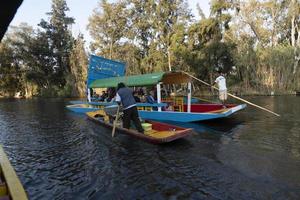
pixel 189 97
pixel 89 95
pixel 158 95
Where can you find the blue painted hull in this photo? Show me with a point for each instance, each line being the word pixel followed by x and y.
pixel 81 108
pixel 78 102
pixel 187 117
pixel 164 115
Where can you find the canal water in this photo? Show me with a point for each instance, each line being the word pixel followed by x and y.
pixel 61 155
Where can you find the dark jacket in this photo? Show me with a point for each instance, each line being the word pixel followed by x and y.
pixel 127 98
pixel 150 99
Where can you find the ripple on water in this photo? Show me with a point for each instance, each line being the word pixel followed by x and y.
pixel 61 155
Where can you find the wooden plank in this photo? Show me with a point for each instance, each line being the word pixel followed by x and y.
pixel 15 188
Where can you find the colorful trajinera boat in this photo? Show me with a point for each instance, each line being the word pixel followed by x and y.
pixel 10 185
pixel 157 133
pixel 170 109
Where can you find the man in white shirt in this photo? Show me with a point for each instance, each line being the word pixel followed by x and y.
pixel 221 81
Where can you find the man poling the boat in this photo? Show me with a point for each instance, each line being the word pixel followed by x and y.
pixel 248 102
pixel 221 82
pixel 124 95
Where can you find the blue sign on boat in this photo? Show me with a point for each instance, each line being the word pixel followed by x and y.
pixel 100 68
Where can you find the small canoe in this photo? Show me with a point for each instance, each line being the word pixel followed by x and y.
pixel 160 132
pixel 10 185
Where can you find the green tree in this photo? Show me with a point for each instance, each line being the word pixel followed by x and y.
pixel 22 40
pixel 79 64
pixel 107 26
pixel 60 41
pixel 170 15
pixel 9 71
pixel 210 51
pixel 141 32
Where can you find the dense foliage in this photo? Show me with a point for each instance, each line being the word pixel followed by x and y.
pixel 256 43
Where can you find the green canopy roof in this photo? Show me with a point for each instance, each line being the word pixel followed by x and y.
pixel 136 80
pixel 142 80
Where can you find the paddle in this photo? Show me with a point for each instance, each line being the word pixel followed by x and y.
pixel 248 102
pixel 115 122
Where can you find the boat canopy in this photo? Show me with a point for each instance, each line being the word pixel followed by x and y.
pixel 143 80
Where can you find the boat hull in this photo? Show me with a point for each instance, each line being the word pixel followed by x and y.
pixel 208 113
pixel 78 102
pixel 180 132
pixel 189 117
pixel 81 108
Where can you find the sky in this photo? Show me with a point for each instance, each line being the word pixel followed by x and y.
pixel 32 11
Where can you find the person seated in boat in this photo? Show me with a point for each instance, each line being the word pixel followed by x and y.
pixel 136 97
pixel 103 96
pixel 150 99
pixel 163 93
pixel 125 97
pixel 221 82
pixel 111 94
pixel 140 91
pixel 143 99
pixel 95 96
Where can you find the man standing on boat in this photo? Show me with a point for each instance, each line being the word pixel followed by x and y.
pixel 221 81
pixel 125 96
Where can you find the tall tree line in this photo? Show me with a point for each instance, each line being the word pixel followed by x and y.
pixel 256 43
pixel 44 61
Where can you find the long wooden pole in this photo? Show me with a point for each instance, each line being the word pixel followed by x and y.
pixel 248 102
pixel 115 122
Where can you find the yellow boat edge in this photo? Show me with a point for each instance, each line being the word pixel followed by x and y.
pixel 14 186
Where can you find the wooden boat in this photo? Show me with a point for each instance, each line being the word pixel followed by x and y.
pixel 176 109
pixel 160 132
pixel 10 185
